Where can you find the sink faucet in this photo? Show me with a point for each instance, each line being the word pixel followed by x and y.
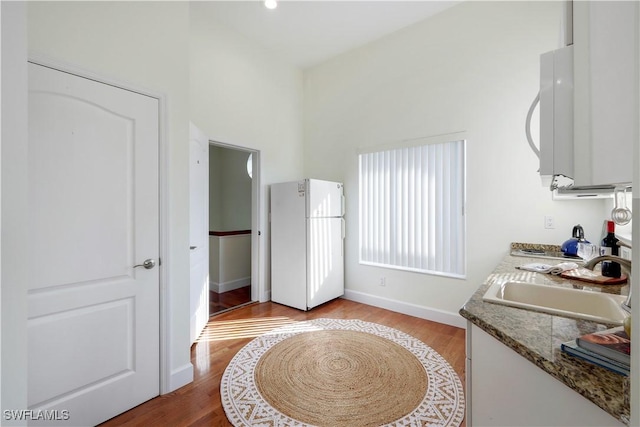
pixel 624 263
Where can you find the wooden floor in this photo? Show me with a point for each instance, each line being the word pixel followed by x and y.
pixel 226 300
pixel 198 403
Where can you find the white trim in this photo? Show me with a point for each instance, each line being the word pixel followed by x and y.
pixel 435 315
pixel 415 270
pixel 16 262
pixel 181 376
pixel 415 142
pixel 166 374
pixel 230 285
pixel 258 282
pixel 66 67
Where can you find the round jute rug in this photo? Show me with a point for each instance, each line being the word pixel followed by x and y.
pixel 329 372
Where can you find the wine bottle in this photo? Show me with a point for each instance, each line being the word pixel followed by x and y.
pixel 609 246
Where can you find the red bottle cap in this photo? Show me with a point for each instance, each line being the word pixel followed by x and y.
pixel 611 227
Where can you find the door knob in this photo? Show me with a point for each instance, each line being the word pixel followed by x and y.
pixel 148 264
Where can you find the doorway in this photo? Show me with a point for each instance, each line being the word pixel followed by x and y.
pixel 232 205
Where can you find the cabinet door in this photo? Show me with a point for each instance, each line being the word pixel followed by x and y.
pixel 508 390
pixel 605 91
pixel 325 260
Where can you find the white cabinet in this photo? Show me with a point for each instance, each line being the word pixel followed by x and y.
pixel 605 35
pixel 556 113
pixel 505 389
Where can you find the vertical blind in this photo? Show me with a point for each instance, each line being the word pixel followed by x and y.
pixel 412 208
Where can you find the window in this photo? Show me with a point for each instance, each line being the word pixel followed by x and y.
pixel 412 208
pixel 250 165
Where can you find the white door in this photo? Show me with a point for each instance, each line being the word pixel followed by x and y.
pixel 93 316
pixel 199 229
pixel 289 244
pixel 325 199
pixel 325 260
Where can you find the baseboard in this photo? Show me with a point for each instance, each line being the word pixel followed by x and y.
pixel 435 315
pixel 266 296
pixel 230 285
pixel 180 377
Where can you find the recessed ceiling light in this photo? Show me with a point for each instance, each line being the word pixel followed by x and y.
pixel 270 4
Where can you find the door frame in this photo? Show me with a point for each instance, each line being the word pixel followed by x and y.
pixel 165 375
pixel 256 281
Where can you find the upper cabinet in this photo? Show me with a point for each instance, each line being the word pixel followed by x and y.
pixel 606 91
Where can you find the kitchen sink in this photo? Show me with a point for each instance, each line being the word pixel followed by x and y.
pixel 537 253
pixel 575 303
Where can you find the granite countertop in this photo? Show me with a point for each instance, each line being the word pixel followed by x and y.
pixel 537 336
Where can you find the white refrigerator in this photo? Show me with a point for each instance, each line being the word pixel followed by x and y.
pixel 307 242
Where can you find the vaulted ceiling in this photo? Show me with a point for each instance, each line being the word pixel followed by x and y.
pixel 306 33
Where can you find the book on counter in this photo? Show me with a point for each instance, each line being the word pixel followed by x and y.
pixel 572 348
pixel 612 343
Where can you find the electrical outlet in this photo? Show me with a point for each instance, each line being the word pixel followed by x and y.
pixel 549 222
pixel 383 281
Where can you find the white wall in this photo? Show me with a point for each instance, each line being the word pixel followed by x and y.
pixel 229 262
pixel 215 189
pixel 145 44
pixel 471 68
pixel 241 94
pixel 635 283
pixel 229 190
pixel 15 257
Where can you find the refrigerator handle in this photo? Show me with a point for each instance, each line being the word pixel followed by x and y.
pixel 344 234
pixel 343 205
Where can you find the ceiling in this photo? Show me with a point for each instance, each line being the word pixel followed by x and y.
pixel 306 33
